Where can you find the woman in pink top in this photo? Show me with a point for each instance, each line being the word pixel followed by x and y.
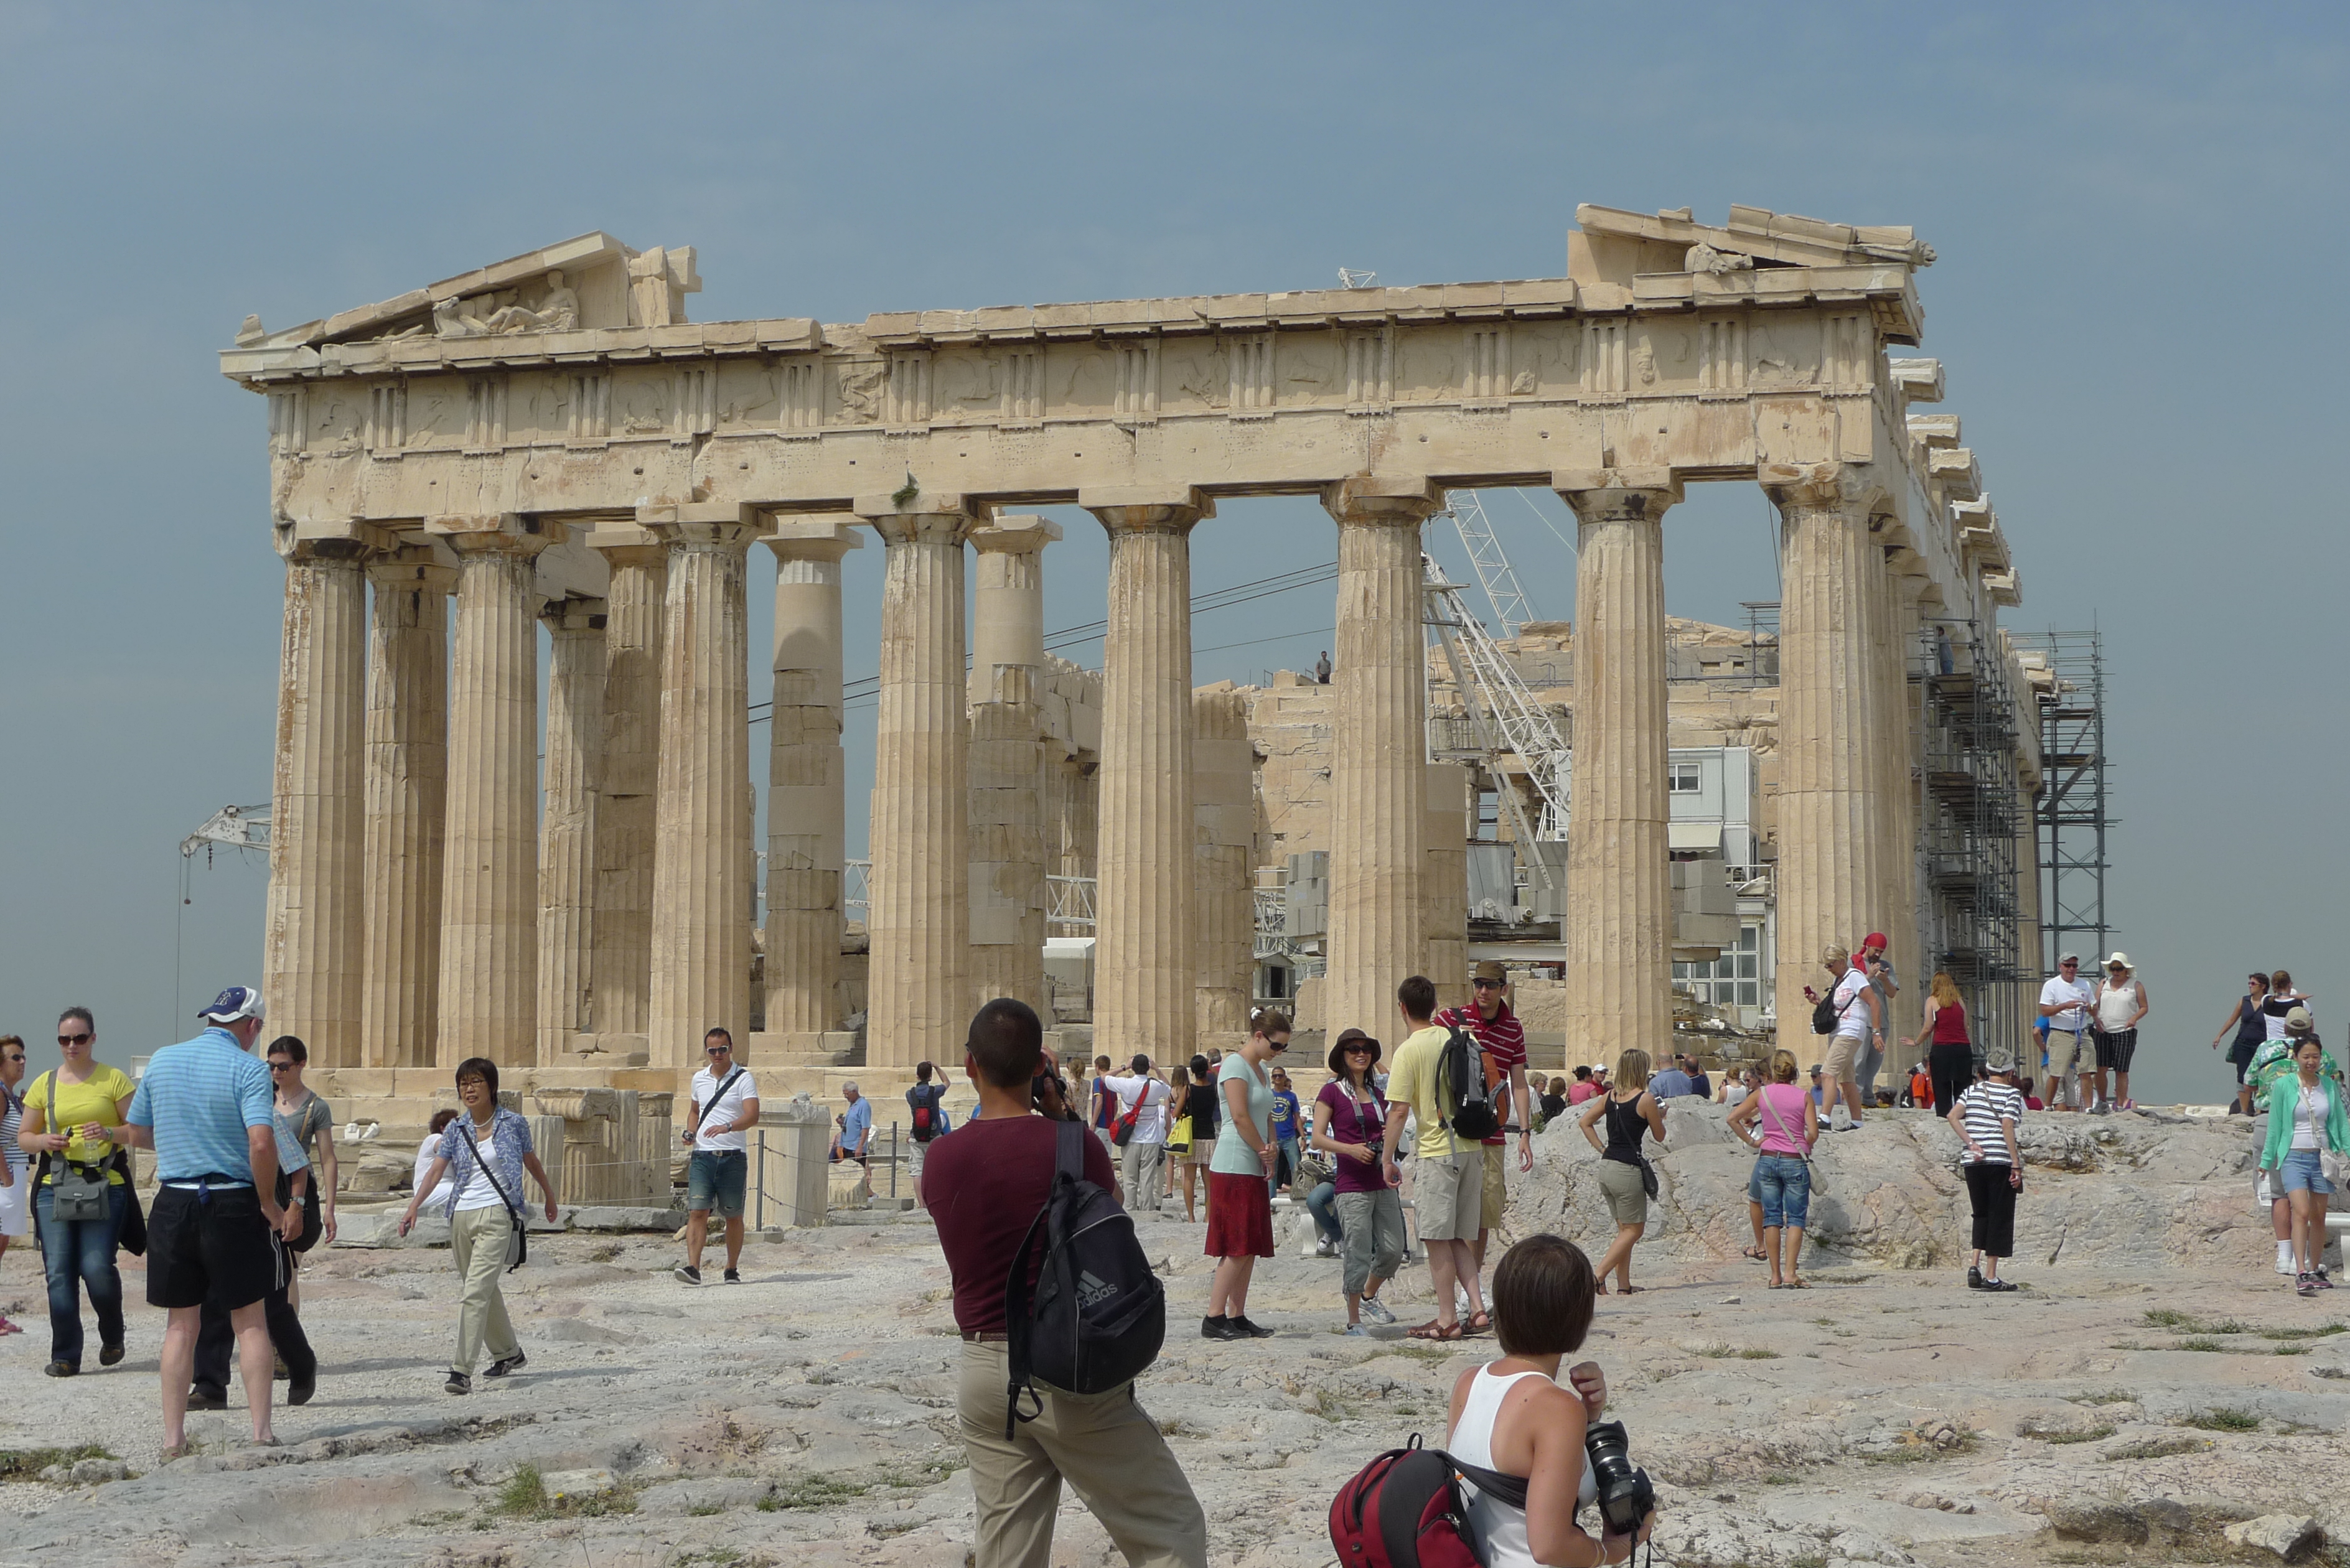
pixel 1781 1123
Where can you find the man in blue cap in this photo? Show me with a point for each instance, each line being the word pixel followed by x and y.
pixel 216 1229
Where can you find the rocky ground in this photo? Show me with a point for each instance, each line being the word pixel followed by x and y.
pixel 2154 1393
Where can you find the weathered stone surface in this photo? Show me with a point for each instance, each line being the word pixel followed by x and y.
pixel 2290 1536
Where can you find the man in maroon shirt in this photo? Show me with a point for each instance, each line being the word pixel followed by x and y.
pixel 1497 1029
pixel 983 1187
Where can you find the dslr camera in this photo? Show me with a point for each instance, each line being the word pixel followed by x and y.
pixel 1626 1493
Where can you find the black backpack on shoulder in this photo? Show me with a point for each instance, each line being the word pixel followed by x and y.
pixel 1460 1081
pixel 1097 1314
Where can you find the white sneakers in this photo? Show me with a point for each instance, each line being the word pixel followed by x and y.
pixel 2284 1259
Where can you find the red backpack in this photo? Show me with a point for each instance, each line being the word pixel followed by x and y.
pixel 1404 1509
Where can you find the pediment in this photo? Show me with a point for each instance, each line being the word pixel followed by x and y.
pixel 1612 246
pixel 587 282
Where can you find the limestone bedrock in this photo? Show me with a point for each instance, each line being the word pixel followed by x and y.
pixel 1886 1415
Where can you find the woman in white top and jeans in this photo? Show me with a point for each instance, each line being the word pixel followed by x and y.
pixel 1512 1417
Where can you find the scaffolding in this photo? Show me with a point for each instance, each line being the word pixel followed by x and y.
pixel 2074 809
pixel 1971 819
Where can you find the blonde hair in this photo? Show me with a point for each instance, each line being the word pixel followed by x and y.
pixel 1783 1068
pixel 1946 989
pixel 1632 1068
pixel 1834 957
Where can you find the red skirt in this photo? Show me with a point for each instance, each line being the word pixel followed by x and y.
pixel 1240 1216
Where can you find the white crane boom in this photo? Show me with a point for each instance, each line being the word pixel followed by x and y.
pixel 1503 713
pixel 1495 573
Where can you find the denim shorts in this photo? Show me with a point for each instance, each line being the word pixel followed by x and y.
pixel 1782 1184
pixel 715 1178
pixel 2302 1171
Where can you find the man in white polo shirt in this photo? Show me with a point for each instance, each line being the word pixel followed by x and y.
pixel 2064 1001
pixel 725 1103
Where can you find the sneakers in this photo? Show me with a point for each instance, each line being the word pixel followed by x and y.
pixel 508 1365
pixel 1997 1285
pixel 688 1273
pixel 1354 1331
pixel 62 1369
pixel 458 1382
pixel 733 1276
pixel 1377 1310
pixel 1218 1327
pixel 2284 1258
pixel 2305 1284
pixel 108 1355
pixel 7 1326
pixel 1241 1328
pixel 1975 1279
pixel 2323 1282
pixel 1325 1248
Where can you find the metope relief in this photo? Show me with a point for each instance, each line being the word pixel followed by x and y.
pixel 970 386
pixel 1313 370
pixel 1199 372
pixel 1084 381
pixel 856 385
pixel 646 404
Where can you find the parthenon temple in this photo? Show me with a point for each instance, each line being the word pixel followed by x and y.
pixel 549 441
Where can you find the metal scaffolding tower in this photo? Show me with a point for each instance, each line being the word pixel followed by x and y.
pixel 1972 817
pixel 2074 809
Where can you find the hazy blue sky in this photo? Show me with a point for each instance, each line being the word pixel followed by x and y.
pixel 2139 212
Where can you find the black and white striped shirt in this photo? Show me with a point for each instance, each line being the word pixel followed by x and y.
pixel 1986 1105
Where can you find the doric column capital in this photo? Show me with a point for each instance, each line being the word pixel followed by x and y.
pixel 626 545
pixel 1818 486
pixel 826 538
pixel 1616 495
pixel 496 534
pixel 1383 500
pixel 1146 508
pixel 1014 536
pixel 333 541
pixel 573 616
pixel 717 525
pixel 411 568
pixel 904 518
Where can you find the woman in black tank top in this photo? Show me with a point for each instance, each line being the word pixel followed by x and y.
pixel 2249 1020
pixel 1631 1111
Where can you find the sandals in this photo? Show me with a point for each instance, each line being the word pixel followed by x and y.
pixel 1435 1330
pixel 1757 1253
pixel 1798 1284
pixel 1478 1322
pixel 1631 1290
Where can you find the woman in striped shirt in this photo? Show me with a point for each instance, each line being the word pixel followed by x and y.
pixel 1986 1116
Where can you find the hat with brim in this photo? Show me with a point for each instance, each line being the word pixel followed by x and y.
pixel 2298 1021
pixel 1338 1050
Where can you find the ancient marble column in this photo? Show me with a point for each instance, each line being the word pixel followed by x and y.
pixel 1378 752
pixel 566 829
pixel 311 958
pixel 804 769
pixel 407 791
pixel 1144 977
pixel 621 978
pixel 1831 781
pixel 1007 719
pixel 702 811
pixel 488 985
pixel 920 965
pixel 1619 911
pixel 1224 864
pixel 1444 893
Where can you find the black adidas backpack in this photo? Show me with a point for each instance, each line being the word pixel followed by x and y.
pixel 1460 1081
pixel 1098 1313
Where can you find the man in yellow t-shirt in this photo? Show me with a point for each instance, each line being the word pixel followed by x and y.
pixel 1447 1190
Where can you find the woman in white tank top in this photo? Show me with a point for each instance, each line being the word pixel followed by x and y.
pixel 1512 1416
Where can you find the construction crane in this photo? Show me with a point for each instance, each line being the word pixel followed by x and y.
pixel 237 826
pixel 1504 716
pixel 1495 573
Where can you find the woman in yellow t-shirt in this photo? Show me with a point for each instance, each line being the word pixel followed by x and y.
pixel 84 1097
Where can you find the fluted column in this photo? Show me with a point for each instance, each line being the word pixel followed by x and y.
pixel 1378 752
pixel 1619 910
pixel 1444 896
pixel 804 768
pixel 701 811
pixel 566 832
pixel 1830 788
pixel 407 791
pixel 1900 910
pixel 919 922
pixel 1143 972
pixel 1007 722
pixel 311 964
pixel 488 999
pixel 1224 863
pixel 621 978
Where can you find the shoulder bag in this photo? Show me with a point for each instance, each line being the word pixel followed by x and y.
pixel 78 1189
pixel 519 1240
pixel 1810 1171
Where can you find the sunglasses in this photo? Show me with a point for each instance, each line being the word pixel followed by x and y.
pixel 1358 1050
pixel 75 1039
pixel 1486 984
pixel 281 1067
pixel 716 1050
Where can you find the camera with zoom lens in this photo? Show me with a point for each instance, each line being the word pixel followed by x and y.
pixel 1626 1493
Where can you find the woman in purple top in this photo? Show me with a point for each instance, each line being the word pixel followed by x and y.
pixel 1781 1123
pixel 1350 1119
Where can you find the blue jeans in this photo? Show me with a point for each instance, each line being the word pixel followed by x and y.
pixel 1782 1184
pixel 1284 1166
pixel 717 1179
pixel 1323 1204
pixel 80 1253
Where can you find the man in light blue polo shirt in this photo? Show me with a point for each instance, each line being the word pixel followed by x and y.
pixel 204 1106
pixel 855 1125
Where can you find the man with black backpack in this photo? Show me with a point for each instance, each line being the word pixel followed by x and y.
pixel 1059 1308
pixel 1440 1078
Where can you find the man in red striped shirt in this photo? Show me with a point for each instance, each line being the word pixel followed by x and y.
pixel 1504 1038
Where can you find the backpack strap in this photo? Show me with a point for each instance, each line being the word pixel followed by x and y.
pixel 1511 1490
pixel 1069 1162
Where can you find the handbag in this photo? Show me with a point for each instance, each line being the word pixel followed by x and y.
pixel 519 1239
pixel 1179 1136
pixel 78 1189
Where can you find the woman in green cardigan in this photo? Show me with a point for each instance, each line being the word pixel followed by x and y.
pixel 2306 1121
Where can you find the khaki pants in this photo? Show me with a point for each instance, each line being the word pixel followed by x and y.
pixel 1145 1163
pixel 1104 1446
pixel 1372 1223
pixel 477 1238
